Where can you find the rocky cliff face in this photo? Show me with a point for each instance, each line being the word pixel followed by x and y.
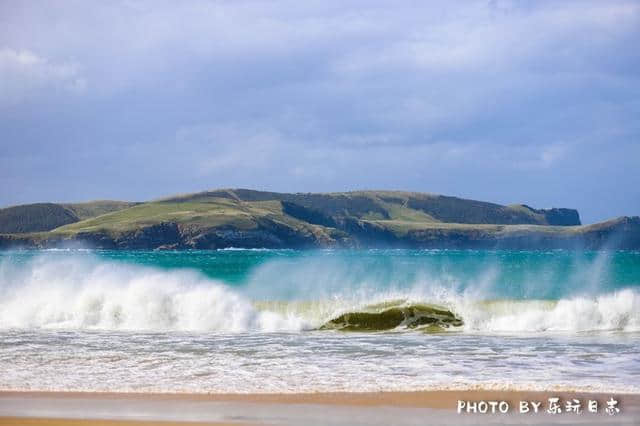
pixel 562 217
pixel 558 217
pixel 621 233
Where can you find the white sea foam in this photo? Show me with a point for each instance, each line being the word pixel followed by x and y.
pixel 91 293
pixel 617 311
pixel 50 307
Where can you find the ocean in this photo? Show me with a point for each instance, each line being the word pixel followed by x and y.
pixel 252 321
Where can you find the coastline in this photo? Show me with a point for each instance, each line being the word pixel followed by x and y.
pixel 120 409
pixel 246 218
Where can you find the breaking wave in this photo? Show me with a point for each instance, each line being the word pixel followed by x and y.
pixel 93 294
pixel 73 293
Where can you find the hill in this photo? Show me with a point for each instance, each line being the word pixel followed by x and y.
pixel 34 218
pixel 248 218
pixel 386 205
pixel 47 216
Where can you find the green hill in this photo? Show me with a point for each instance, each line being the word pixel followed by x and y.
pixel 96 208
pixel 248 218
pixel 383 205
pixel 47 216
pixel 34 218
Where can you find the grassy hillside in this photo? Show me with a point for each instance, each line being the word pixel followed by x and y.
pixel 198 217
pixel 96 208
pixel 244 209
pixel 34 218
pixel 247 218
pixel 47 216
pixel 212 213
pixel 398 205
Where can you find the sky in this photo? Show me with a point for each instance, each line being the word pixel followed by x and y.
pixel 502 101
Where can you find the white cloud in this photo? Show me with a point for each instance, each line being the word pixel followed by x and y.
pixel 224 148
pixel 23 73
pixel 329 95
pixel 481 38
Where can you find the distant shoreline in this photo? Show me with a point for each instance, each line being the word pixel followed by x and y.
pixel 243 218
pixel 619 234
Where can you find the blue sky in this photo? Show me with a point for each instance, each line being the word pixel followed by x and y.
pixel 504 101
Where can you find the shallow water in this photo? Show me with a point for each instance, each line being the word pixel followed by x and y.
pixel 248 321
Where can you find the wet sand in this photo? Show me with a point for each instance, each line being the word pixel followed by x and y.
pixel 425 407
pixel 21 421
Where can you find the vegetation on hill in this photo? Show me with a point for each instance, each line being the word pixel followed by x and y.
pixel 382 204
pixel 34 218
pixel 47 216
pixel 247 218
pixel 96 208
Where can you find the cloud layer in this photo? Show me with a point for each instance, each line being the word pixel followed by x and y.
pixel 506 101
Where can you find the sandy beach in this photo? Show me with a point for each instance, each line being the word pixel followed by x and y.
pixel 439 407
pixel 93 422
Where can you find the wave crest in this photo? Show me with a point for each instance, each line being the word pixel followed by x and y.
pixel 616 311
pixel 73 293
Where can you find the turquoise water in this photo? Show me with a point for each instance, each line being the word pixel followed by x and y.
pixel 255 320
pixel 513 274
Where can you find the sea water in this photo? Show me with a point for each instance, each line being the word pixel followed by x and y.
pixel 244 321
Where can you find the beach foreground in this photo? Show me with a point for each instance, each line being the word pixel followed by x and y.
pixel 303 338
pixel 424 407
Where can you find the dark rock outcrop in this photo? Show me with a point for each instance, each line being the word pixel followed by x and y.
pixel 308 215
pixel 558 216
